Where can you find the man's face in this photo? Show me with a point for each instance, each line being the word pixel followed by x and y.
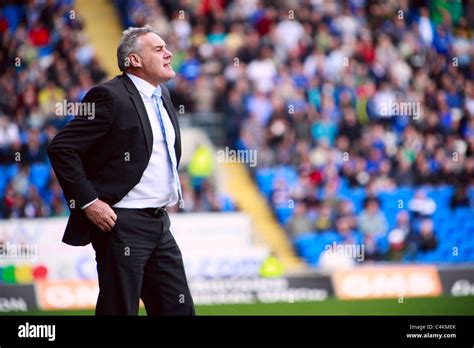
pixel 155 58
pixel 372 207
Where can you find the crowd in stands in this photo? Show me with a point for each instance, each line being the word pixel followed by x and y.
pixel 46 59
pixel 362 112
pixel 350 104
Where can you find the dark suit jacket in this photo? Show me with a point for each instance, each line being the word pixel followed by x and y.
pixel 105 156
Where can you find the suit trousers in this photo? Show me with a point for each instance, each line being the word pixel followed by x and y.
pixel 139 258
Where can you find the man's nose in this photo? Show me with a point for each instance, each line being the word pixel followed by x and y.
pixel 168 54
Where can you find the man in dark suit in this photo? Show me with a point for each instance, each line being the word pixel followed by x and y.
pixel 118 170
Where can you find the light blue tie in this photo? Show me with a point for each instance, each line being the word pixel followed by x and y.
pixel 170 148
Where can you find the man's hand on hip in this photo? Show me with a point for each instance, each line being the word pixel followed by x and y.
pixel 101 215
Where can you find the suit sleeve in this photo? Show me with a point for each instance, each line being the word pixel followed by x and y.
pixel 68 148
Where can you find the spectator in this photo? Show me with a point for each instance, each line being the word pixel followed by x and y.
pixel 372 220
pixel 397 245
pixel 403 222
pixel 324 219
pixel 299 222
pixel 346 209
pixel 425 240
pixel 305 92
pixel 421 207
pixel 45 59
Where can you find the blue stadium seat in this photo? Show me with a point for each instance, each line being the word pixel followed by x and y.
pixel 304 239
pixel 288 173
pixel 389 200
pixel 284 214
pixel 453 228
pixel 357 196
pixel 3 180
pixel 405 193
pixel 382 244
pixel 39 175
pixel 264 179
pixel 464 213
pixel 12 170
pixel 470 193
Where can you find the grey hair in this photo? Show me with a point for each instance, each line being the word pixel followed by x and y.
pixel 128 44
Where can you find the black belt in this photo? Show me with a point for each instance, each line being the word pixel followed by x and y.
pixel 156 212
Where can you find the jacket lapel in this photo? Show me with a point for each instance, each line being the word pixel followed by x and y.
pixel 143 116
pixel 141 112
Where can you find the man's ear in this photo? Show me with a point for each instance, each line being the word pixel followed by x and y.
pixel 134 60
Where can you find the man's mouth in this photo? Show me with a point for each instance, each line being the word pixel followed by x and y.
pixel 167 65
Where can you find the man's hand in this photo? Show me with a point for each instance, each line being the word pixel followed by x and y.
pixel 101 215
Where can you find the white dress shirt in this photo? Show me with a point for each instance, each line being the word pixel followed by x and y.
pixel 157 186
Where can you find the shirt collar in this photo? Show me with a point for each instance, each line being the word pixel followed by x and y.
pixel 143 86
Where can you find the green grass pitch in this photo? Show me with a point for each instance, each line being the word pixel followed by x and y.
pixel 411 306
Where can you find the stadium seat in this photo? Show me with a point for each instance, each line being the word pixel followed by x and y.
pixel 39 176
pixel 3 180
pixel 12 170
pixel 264 179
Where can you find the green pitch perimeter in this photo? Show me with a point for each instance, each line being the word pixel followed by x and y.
pixel 411 306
